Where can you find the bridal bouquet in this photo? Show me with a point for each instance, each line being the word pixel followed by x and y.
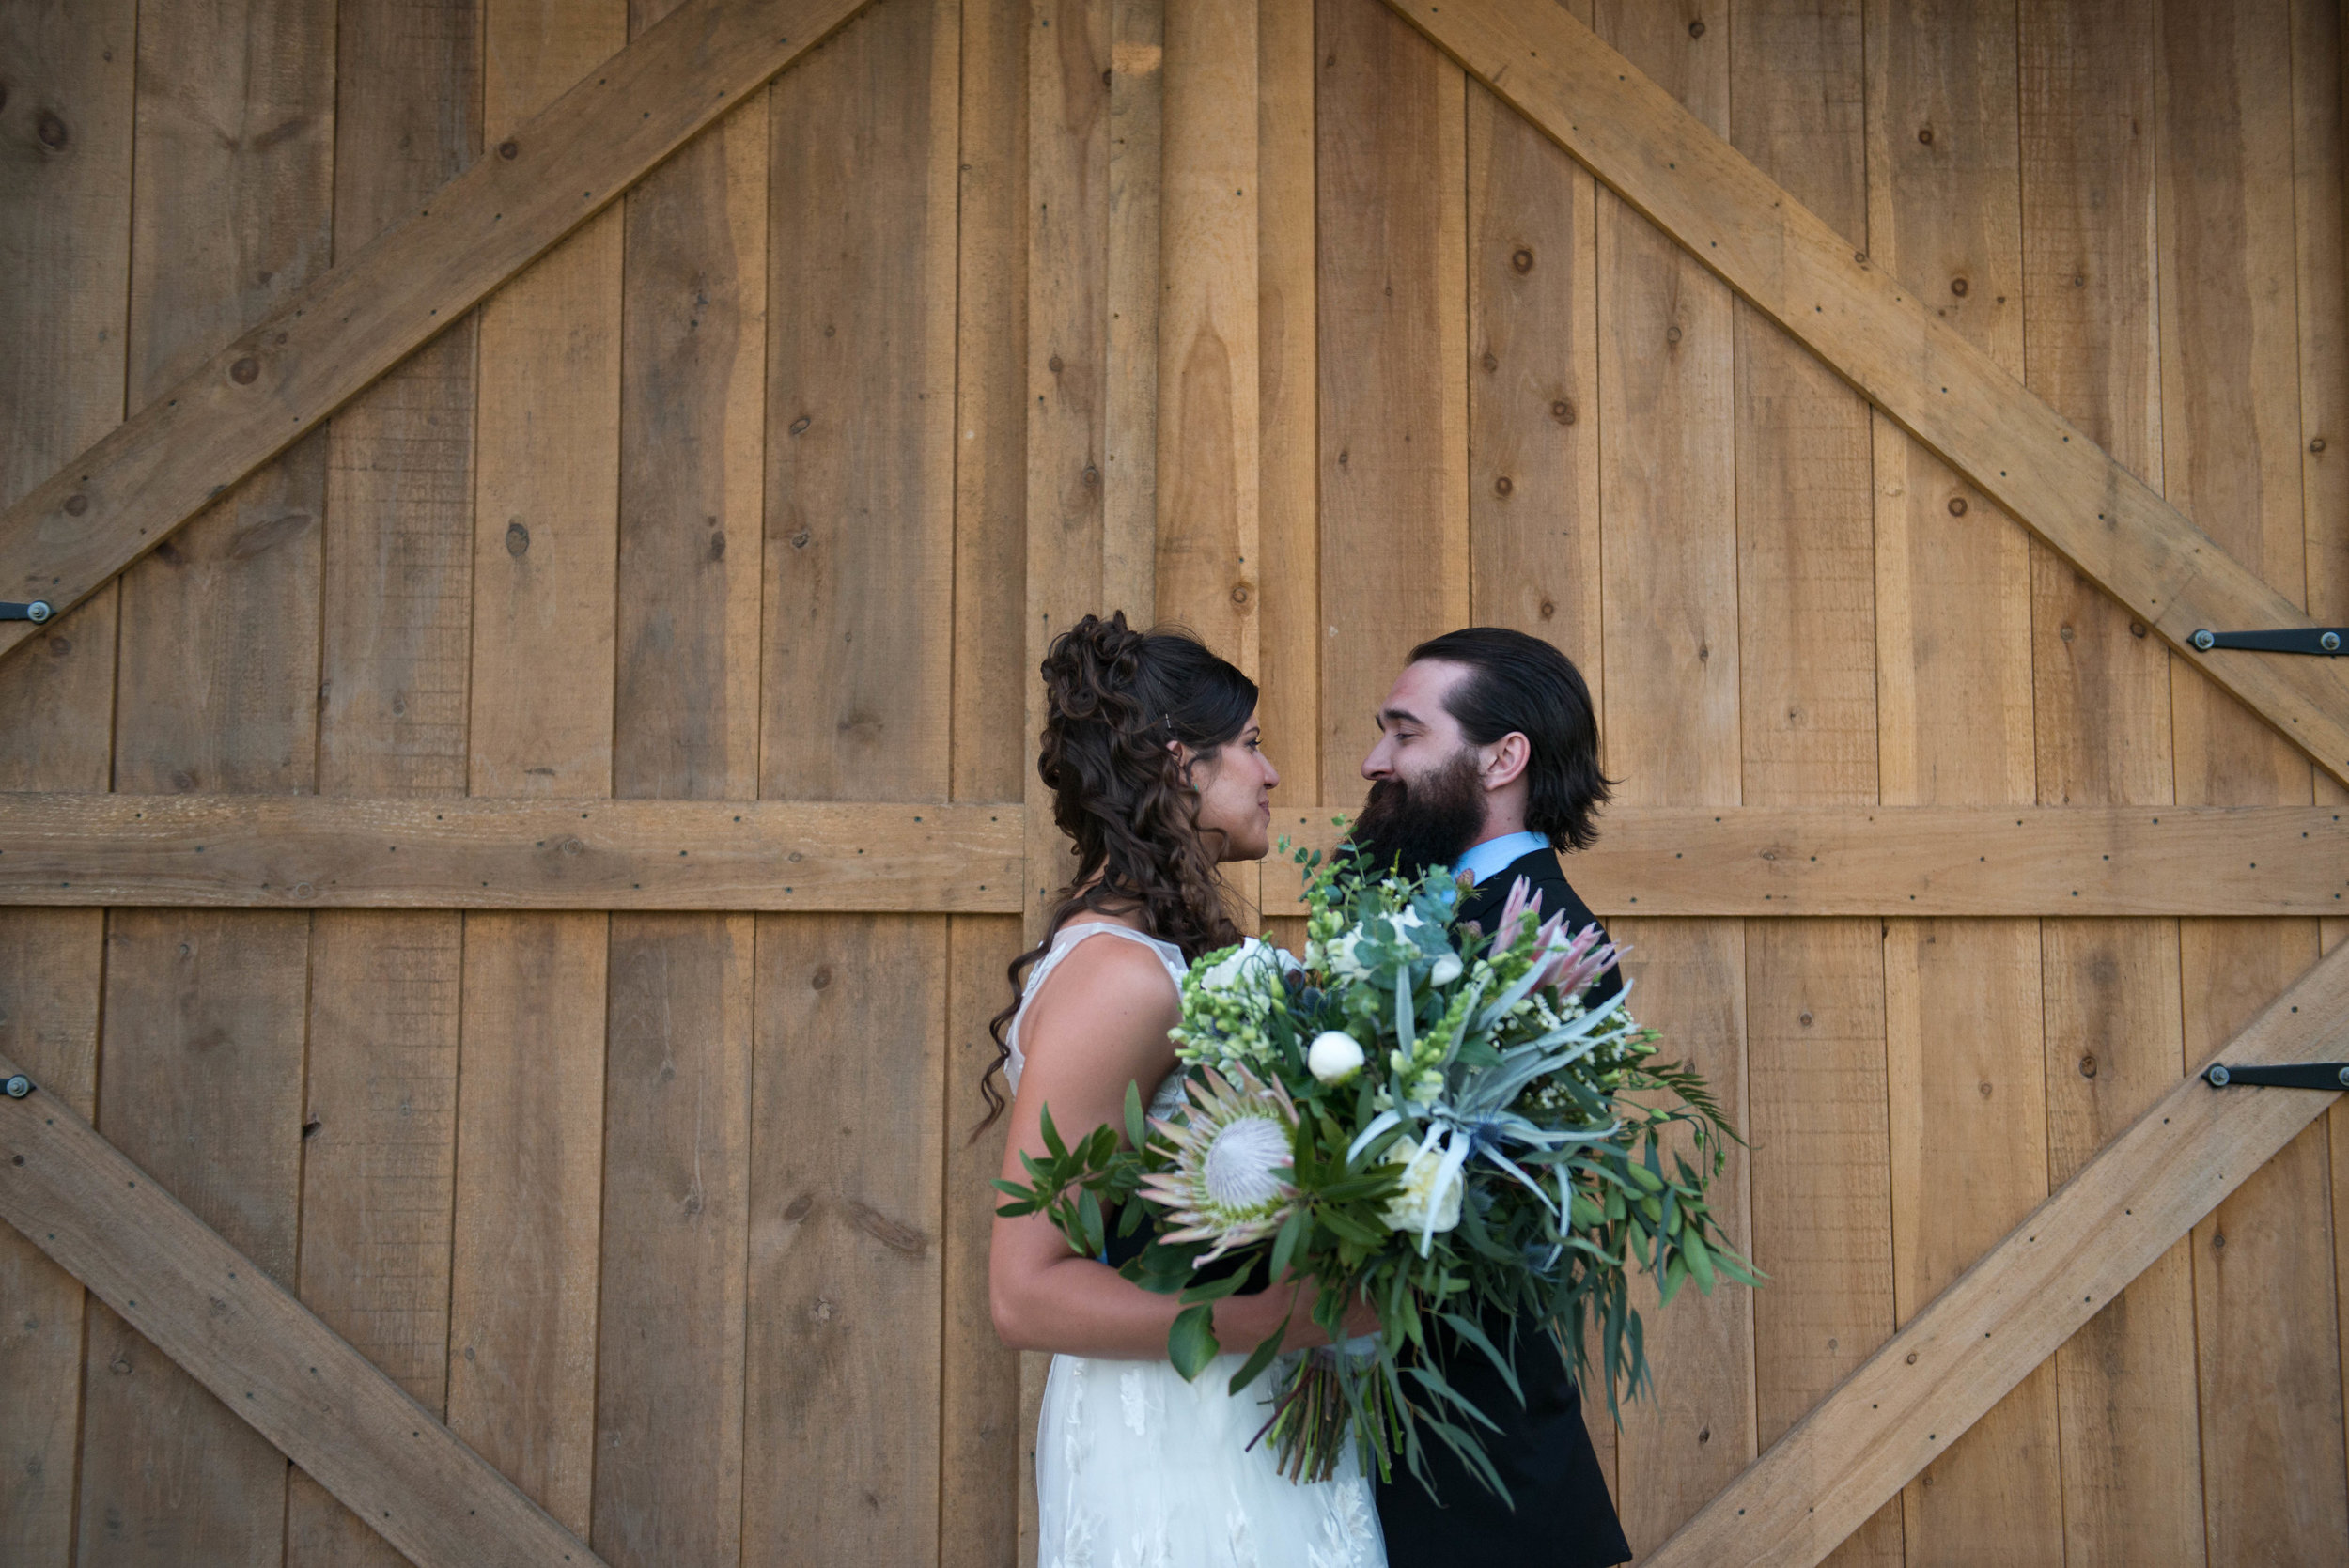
pixel 1426 1118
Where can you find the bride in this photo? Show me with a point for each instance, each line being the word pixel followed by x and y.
pixel 1152 752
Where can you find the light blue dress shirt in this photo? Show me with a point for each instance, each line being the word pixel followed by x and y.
pixel 1496 854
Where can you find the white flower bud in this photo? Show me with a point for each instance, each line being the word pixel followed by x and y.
pixel 1447 969
pixel 1335 1056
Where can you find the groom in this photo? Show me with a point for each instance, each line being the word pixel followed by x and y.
pixel 1487 763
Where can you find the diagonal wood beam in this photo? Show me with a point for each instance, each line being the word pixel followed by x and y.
pixel 119 499
pixel 261 1351
pixel 1879 336
pixel 1901 1408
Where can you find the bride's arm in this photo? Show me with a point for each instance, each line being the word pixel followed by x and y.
pixel 1099 1025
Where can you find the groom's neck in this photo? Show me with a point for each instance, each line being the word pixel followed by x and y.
pixel 1504 814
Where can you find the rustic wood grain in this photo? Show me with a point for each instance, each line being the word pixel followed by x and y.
pixel 1289 599
pixel 2273 1477
pixel 1133 251
pixel 201 1086
pixel 1209 320
pixel 1668 624
pixel 693 465
pixel 1806 619
pixel 2131 1468
pixel 1967 1079
pixel 65 181
pixel 859 413
pixel 1888 340
pixel 208 1304
pixel 676 1186
pixel 2007 1313
pixel 121 496
pixel 379 1157
pixel 65 186
pixel 49 969
pixel 841 1460
pixel 1391 300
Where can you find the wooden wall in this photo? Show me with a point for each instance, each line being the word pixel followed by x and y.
pixel 739 494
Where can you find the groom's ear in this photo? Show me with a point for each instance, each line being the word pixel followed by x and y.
pixel 1505 760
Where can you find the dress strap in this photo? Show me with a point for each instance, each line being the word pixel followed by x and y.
pixel 1064 941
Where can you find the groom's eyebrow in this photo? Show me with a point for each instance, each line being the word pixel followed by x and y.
pixel 1398 716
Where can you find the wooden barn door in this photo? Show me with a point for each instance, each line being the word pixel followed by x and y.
pixel 529 862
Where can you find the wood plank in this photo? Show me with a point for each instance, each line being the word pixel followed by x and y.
pixel 65 244
pixel 980 1439
pixel 211 1307
pixel 1209 316
pixel 2008 1312
pixel 1806 619
pixel 1133 251
pixel 860 408
pixel 2272 1459
pixel 1071 77
pixel 1390 218
pixel 1886 339
pixel 378 1147
pixel 693 465
pixel 396 596
pixel 2131 1465
pixel 1669 628
pixel 590 854
pixel 842 1454
pixel 668 1467
pixel 202 1087
pixel 65 188
pixel 1533 387
pixel 379 1158
pixel 522 1306
pixel 328 851
pixel 49 969
pixel 1967 1079
pixel 120 497
pixel 1289 633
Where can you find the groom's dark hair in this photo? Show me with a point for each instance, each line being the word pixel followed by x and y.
pixel 1520 683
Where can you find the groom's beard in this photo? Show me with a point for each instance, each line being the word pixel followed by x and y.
pixel 1432 822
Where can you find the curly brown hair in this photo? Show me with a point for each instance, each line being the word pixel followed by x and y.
pixel 1116 697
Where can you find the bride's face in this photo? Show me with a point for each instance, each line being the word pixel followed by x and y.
pixel 1236 787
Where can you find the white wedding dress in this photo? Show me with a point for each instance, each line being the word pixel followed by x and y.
pixel 1137 1468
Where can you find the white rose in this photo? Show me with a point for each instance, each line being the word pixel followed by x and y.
pixel 1335 1056
pixel 1410 1209
pixel 1447 969
pixel 1226 973
pixel 1341 960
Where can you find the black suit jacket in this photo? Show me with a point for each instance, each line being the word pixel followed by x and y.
pixel 1563 1517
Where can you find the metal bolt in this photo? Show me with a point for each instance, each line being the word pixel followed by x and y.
pixel 2204 641
pixel 2329 642
pixel 17 1086
pixel 2344 1077
pixel 38 611
pixel 2218 1076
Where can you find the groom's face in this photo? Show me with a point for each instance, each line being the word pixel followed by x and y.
pixel 1426 801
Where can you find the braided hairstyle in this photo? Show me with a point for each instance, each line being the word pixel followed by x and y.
pixel 1116 697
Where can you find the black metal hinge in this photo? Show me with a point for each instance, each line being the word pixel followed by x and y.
pixel 2321 640
pixel 36 612
pixel 2301 1075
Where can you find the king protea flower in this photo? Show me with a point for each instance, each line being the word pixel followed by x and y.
pixel 1229 1147
pixel 1566 964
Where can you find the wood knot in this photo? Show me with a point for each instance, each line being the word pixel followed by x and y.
pixel 1522 261
pixel 2316 443
pixel 517 539
pixel 1924 135
pixel 1562 410
pixel 1503 485
pixel 1957 505
pixel 51 130
pixel 1239 593
pixel 2064 633
pixel 1803 1018
pixel 2088 1067
pixel 245 371
pixel 799 426
pixel 821 978
pixel 76 504
pixel 1958 287
pixel 1548 609
pixel 1672 335
pixel 2136 628
pixel 509 149
pixel 1053 365
pixel 1490 362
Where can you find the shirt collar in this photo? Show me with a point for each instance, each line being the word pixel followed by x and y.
pixel 1496 854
